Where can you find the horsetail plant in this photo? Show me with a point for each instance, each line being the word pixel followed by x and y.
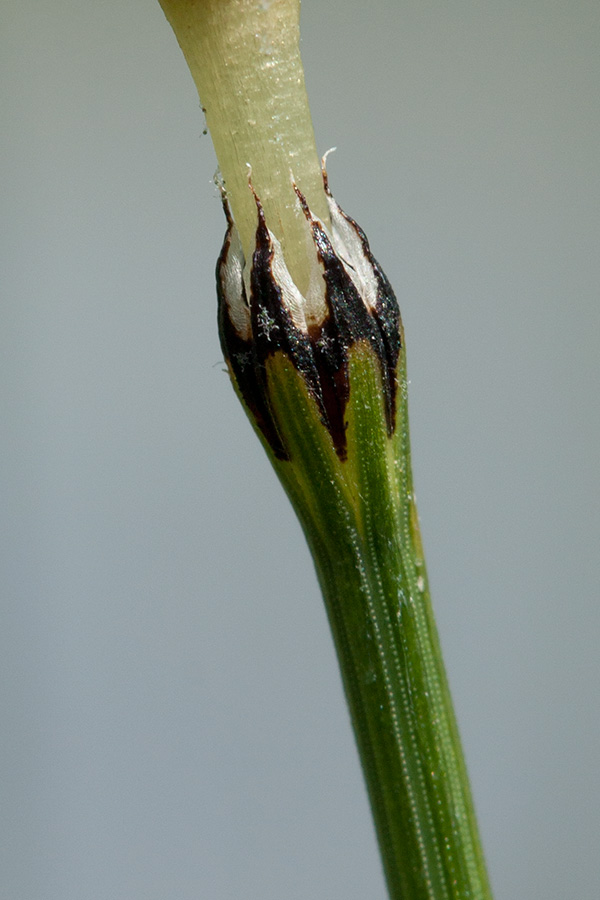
pixel 313 340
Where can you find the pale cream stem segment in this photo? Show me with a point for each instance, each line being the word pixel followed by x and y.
pixel 244 56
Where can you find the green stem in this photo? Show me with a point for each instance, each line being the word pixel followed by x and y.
pixel 356 502
pixel 370 566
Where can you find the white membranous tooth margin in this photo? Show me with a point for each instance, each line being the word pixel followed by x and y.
pixel 306 310
pixel 291 297
pixel 316 304
pixel 349 246
pixel 232 284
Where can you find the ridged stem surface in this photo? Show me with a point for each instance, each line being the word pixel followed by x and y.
pixel 360 520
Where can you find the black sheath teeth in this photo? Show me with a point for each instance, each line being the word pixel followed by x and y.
pixel 320 352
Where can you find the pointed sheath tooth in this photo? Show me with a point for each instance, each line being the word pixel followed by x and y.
pixel 347 243
pixel 230 270
pixel 291 298
pixel 262 313
pixel 277 311
pixel 374 287
pixel 348 320
pixel 235 334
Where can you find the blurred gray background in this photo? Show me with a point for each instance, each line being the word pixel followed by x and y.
pixel 172 722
